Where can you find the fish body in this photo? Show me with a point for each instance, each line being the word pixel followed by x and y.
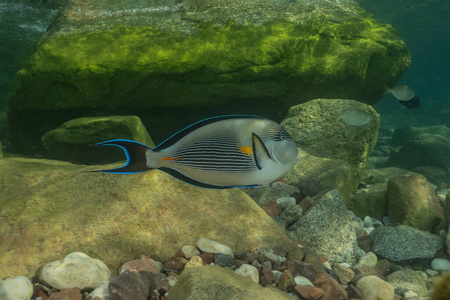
pixel 219 152
pixel 414 102
pixel 401 92
pixel 355 117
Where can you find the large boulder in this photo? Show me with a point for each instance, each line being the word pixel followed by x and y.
pixel 412 201
pixel 402 135
pixel 318 129
pixel 206 57
pixel 72 139
pixel 214 282
pixel 51 208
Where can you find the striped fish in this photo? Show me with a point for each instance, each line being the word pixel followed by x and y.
pixel 220 152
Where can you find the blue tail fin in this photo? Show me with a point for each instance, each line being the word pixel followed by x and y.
pixel 136 158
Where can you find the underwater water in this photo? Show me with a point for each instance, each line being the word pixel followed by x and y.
pixel 191 201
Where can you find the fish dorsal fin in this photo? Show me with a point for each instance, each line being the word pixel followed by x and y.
pixel 260 152
pixel 184 132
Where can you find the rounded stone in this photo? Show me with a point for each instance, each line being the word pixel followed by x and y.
pixel 248 271
pixel 195 261
pixel 440 264
pixel 301 280
pixel 369 261
pixel 374 288
pixel 17 288
pixel 76 270
pixel 190 251
pixel 210 246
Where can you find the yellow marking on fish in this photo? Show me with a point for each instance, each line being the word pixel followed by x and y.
pixel 169 158
pixel 246 150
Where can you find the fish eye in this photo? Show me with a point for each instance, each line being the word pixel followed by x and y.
pixel 282 135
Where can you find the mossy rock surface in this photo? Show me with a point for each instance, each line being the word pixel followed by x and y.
pixel 215 282
pixel 176 65
pixel 74 140
pixel 51 208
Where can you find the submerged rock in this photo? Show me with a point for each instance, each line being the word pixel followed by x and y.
pixel 369 202
pixel 52 208
pixel 17 288
pixel 207 282
pixel 316 129
pixel 412 201
pixel 402 135
pixel 328 229
pixel 409 280
pixel 70 141
pixel 374 288
pixel 402 242
pixel 208 57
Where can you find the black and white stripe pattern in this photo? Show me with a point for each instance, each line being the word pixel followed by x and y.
pixel 220 154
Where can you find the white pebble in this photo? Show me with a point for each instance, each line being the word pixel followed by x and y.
pixel 195 261
pixel 440 264
pixel 210 246
pixel 300 280
pixel 368 222
pixel 102 292
pixel 76 270
pixel 17 288
pixel 248 271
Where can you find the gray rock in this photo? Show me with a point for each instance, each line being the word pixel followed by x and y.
pixel 210 246
pixel 248 271
pixel 291 214
pixel 286 202
pixel 403 242
pixel 102 292
pixel 128 286
pixel 409 280
pixel 16 288
pixel 223 260
pixel 327 228
pixel 190 251
pixel 76 270
pixel 267 254
pixel 402 135
pixel 440 264
pixel 214 282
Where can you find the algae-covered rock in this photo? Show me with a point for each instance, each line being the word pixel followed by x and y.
pixel 214 282
pixel 70 141
pixel 316 128
pixel 206 57
pixel 412 201
pixel 313 175
pixel 50 209
pixel 408 279
pixel 371 202
pixel 402 135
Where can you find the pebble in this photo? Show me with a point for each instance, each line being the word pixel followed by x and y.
pixel 266 276
pixel 224 260
pixel 291 214
pixel 142 264
pixel 309 292
pixel 344 273
pixel 368 261
pixel 195 261
pixel 66 294
pixel 286 202
pixel 374 288
pixel 368 222
pixel 102 292
pixel 128 286
pixel 210 246
pixel 440 264
pixel 300 280
pixel 286 281
pixel 267 254
pixel 76 270
pixel 248 271
pixel 17 288
pixel 190 251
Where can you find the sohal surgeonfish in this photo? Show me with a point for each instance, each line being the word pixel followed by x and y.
pixel 405 95
pixel 219 152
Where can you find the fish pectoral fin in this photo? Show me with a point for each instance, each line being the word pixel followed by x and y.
pixel 260 152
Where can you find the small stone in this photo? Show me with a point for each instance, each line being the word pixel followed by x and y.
pixel 66 294
pixel 286 202
pixel 267 254
pixel 176 264
pixel 374 288
pixel 277 275
pixel 300 280
pixel 306 203
pixel 297 254
pixel 291 214
pixel 353 292
pixel 248 271
pixel 368 222
pixel 368 261
pixel 168 283
pixel 331 288
pixel 286 282
pixel 298 268
pixel 76 270
pixel 246 257
pixel 224 260
pixel 190 251
pixel 309 292
pixel 210 246
pixel 266 276
pixel 207 258
pixel 102 291
pixel 142 264
pixel 440 264
pixel 195 261
pixel 128 286
pixel 17 288
pixel 272 208
pixel 344 274
pixel 365 243
pixel 312 258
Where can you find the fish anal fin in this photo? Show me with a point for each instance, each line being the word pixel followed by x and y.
pixel 260 152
